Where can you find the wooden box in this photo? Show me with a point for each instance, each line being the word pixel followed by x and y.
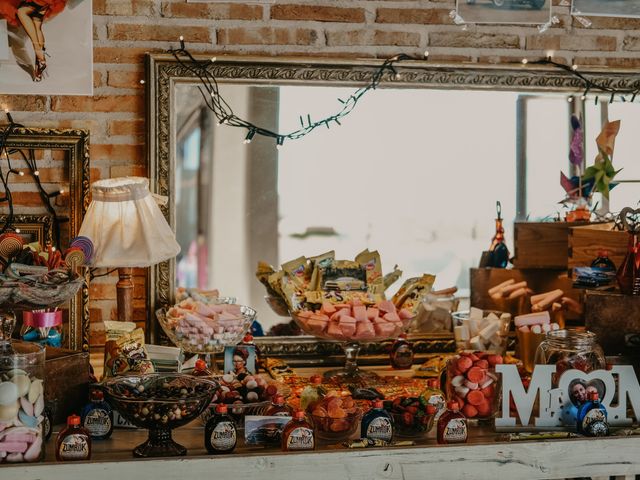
pixel 615 319
pixel 67 378
pixel 586 241
pixel 541 244
pixel 482 279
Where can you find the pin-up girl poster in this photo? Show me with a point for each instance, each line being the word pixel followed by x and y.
pixel 50 49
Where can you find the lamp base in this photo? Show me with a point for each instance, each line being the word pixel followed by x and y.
pixel 124 289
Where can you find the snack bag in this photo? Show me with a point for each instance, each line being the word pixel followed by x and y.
pixel 126 352
pixel 392 277
pixel 413 291
pixel 297 270
pixel 370 261
pixel 318 263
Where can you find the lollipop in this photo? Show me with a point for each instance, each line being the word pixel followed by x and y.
pixel 10 244
pixel 74 256
pixel 86 245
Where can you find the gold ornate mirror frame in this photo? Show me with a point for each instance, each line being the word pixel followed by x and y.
pixel 163 72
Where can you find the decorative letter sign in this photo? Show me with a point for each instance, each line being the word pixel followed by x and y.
pixel 557 407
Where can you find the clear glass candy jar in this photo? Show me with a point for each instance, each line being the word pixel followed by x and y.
pixel 570 349
pixel 21 396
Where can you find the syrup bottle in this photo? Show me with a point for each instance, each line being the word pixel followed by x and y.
pixel 278 407
pixel 498 250
pixel 603 262
pixel 298 434
pixel 73 442
pixel 201 369
pixel 592 417
pixel 220 433
pixel 628 274
pixel 401 355
pixel 377 424
pixel 452 425
pixel 97 417
pixel 433 396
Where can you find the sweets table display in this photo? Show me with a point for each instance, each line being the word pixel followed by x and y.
pixel 487 455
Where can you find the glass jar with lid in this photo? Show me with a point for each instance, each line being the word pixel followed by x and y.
pixel 570 349
pixel 21 396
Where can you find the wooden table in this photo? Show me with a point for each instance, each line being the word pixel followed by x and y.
pixel 484 457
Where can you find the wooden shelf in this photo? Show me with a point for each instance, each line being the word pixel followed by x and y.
pixel 485 457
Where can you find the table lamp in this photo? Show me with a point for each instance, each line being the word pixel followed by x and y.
pixel 128 230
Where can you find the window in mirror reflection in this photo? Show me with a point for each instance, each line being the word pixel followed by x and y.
pixel 413 173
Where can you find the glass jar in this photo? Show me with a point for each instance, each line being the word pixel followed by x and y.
pixel 473 383
pixel 570 348
pixel 21 396
pixel 43 327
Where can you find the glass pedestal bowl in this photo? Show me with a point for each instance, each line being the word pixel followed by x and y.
pixel 350 343
pixel 204 336
pixel 159 402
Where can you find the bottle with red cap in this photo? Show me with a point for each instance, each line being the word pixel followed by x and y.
pixel 452 425
pixel 201 369
pixel 298 434
pixel 74 442
pixel 377 423
pixel 97 416
pixel 401 355
pixel 220 433
pixel 248 341
pixel 278 408
pixel 592 416
pixel 432 395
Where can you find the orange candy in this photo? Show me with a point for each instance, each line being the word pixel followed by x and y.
pixel 475 374
pixel 469 411
pixel 475 397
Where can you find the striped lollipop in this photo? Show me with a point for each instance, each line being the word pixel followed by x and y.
pixel 86 245
pixel 73 257
pixel 10 244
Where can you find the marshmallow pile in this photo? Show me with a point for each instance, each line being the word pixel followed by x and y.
pixel 539 322
pixel 472 382
pixel 197 326
pixel 509 290
pixel 482 333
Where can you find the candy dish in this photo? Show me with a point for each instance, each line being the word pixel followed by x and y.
pixel 336 429
pixel 356 324
pixel 159 402
pixel 206 328
pixel 411 418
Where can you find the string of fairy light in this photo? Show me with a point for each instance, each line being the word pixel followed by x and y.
pixel 214 100
pixel 29 159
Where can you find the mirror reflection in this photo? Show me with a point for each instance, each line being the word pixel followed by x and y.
pixel 412 173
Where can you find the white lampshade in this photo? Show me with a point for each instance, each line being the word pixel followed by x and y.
pixel 126 225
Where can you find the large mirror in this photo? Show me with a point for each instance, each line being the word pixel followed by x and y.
pixel 413 172
pixel 61 160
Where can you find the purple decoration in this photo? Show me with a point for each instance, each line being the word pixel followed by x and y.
pixel 576 152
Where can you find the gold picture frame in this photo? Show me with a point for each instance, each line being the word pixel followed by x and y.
pixel 73 146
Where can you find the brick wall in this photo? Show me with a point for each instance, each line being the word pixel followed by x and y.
pixel 125 30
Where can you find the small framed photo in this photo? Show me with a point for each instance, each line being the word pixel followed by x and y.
pixel 600 8
pixel 240 360
pixel 504 11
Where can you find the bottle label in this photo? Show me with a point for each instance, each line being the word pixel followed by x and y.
pixel 74 447
pixel 438 402
pixel 593 415
pixel 456 430
pixel 223 436
pixel 380 429
pixel 300 438
pixel 97 422
pixel 281 414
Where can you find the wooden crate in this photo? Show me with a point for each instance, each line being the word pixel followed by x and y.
pixel 541 244
pixel 539 280
pixel 615 319
pixel 586 241
pixel 66 382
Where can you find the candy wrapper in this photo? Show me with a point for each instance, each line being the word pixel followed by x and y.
pixel 125 352
pixel 319 263
pixel 412 292
pixel 370 261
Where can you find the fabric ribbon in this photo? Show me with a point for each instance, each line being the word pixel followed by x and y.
pixel 42 319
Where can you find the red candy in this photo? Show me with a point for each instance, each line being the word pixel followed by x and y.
pixel 476 368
